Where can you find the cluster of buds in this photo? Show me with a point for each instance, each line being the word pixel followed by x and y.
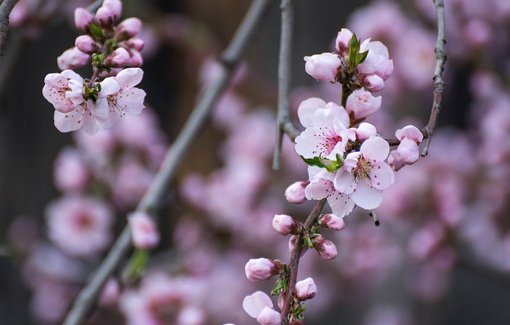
pixel 103 42
pixel 259 305
pixel 114 53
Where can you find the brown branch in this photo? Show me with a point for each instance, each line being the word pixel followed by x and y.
pixel 5 9
pixel 87 298
pixel 294 260
pixel 283 124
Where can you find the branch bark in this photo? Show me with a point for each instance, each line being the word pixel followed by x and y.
pixel 87 298
pixel 284 124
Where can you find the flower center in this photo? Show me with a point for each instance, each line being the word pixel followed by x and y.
pixel 362 169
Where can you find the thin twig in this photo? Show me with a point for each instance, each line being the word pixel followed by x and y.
pixel 95 5
pixel 158 188
pixel 5 9
pixel 283 123
pixel 439 84
pixel 294 260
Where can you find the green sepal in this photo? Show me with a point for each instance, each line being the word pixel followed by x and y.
pixel 96 31
pixel 315 161
pixel 354 46
pixel 281 285
pixel 308 242
pixel 137 263
pixel 361 57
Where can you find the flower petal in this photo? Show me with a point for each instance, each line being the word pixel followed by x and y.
pixel 307 109
pixel 71 121
pixel 382 176
pixel 129 77
pixel 341 204
pixel 254 303
pixel 344 182
pixel 375 149
pixel 366 197
pixel 131 101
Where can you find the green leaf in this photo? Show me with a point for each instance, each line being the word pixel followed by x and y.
pixel 354 46
pixel 315 161
pixel 361 57
pixel 308 242
pixel 137 263
pixel 96 31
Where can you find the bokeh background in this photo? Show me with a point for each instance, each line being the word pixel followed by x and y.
pixel 441 255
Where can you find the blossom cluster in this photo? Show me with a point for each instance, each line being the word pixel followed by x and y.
pixel 113 50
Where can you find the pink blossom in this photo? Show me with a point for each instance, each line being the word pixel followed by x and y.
pixel 326 248
pixel 409 132
pixel 110 294
pixel 332 221
pixel 365 131
pixel 63 90
pixel 135 43
pixel 323 67
pixel 109 12
pixel 373 83
pixel 284 224
pixel 72 58
pixel 321 186
pixel 260 269
pixel 191 315
pixel 144 232
pixel 365 174
pixel 377 61
pixel 130 183
pixel 19 13
pixel 307 108
pixel 361 104
pixel 256 302
pixel 119 58
pixel 306 289
pixel 342 41
pixel 326 135
pixel 295 193
pixel 135 59
pixel 407 153
pixel 71 173
pixel 82 18
pixel 126 99
pixel 78 225
pixel 269 316
pixel 128 28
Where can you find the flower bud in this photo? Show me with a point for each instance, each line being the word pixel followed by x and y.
pixel 128 28
pixel 325 248
pixel 323 67
pixel 410 132
pixel 342 41
pixel 284 224
pixel 407 153
pixel 373 83
pixel 135 43
pixel 119 58
pixel 306 289
pixel 361 104
pixel 365 130
pixel 144 232
pixel 260 269
pixel 295 193
pixel 269 316
pixel 332 221
pixel 135 60
pixel 109 12
pixel 82 18
pixel 86 44
pixel 256 302
pixel 72 59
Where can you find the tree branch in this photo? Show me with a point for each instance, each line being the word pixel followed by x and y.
pixel 295 257
pixel 5 9
pixel 283 123
pixel 86 299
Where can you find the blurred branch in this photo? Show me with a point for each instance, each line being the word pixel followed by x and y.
pixel 95 5
pixel 5 9
pixel 86 299
pixel 294 260
pixel 284 124
pixel 439 85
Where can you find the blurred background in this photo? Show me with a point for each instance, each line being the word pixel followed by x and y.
pixel 441 255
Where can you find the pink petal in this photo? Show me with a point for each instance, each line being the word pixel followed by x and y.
pixel 344 182
pixel 109 86
pixel 382 176
pixel 71 121
pixel 375 149
pixel 318 189
pixel 256 302
pixel 129 77
pixel 366 197
pixel 340 204
pixel 131 100
pixel 307 109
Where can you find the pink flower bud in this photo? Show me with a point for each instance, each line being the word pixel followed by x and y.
pixel 136 59
pixel 332 221
pixel 373 83
pixel 407 153
pixel 119 58
pixel 82 18
pixel 144 232
pixel 135 43
pixel 109 12
pixel 86 44
pixel 342 41
pixel 365 130
pixel 260 269
pixel 323 67
pixel 256 302
pixel 295 193
pixel 361 104
pixel 72 59
pixel 306 289
pixel 128 28
pixel 377 61
pixel 269 316
pixel 284 224
pixel 325 248
pixel 410 132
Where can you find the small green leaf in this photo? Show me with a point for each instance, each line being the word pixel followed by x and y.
pixel 137 263
pixel 96 31
pixel 354 46
pixel 361 57
pixel 315 161
pixel 308 242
